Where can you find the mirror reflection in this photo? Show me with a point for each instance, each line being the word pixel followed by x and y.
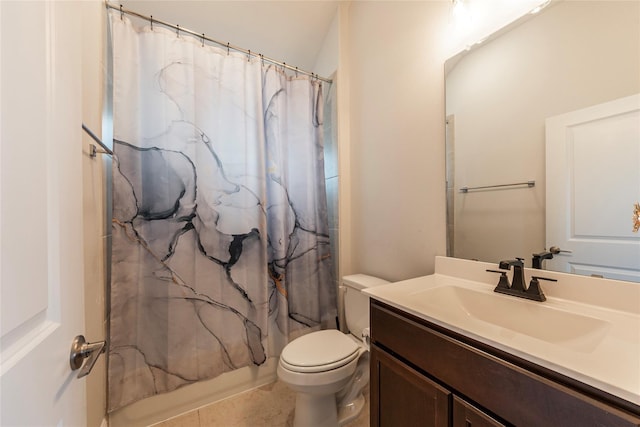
pixel 550 104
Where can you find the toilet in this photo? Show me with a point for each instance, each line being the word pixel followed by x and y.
pixel 328 369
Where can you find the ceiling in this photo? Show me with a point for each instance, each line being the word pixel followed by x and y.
pixel 287 31
pixel 293 31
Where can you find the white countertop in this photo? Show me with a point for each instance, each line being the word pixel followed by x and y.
pixel 604 354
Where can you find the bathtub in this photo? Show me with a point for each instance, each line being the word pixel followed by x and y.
pixel 188 398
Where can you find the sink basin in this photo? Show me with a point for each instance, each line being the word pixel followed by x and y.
pixel 588 329
pixel 515 316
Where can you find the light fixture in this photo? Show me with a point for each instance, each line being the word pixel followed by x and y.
pixel 459 8
pixel 461 15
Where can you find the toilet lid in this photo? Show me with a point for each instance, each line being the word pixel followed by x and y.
pixel 319 351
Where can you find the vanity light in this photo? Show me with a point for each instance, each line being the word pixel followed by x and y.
pixel 461 14
pixel 458 7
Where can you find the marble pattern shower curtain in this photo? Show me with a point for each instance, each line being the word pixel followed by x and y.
pixel 220 247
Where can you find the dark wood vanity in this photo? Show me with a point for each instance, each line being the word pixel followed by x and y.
pixel 425 375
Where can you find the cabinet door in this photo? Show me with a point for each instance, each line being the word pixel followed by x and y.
pixel 520 396
pixel 467 415
pixel 401 396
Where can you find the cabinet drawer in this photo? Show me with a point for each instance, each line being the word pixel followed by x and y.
pixel 518 396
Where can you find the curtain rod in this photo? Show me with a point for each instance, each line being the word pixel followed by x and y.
pixel 93 136
pixel 202 37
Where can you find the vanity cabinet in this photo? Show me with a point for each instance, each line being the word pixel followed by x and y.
pixel 467 415
pixel 425 375
pixel 405 397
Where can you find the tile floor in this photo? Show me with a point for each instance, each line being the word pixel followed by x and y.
pixel 271 405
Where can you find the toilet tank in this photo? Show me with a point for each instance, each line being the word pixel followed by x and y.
pixel 356 304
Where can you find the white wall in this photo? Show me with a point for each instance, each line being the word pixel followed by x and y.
pixel 573 55
pixel 393 195
pixel 397 137
pixel 94 185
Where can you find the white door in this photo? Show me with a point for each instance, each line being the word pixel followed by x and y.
pixel 41 251
pixel 593 182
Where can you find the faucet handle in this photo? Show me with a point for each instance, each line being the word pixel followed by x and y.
pixel 544 278
pixel 534 289
pixel 503 283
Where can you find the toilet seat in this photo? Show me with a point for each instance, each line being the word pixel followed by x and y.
pixel 319 351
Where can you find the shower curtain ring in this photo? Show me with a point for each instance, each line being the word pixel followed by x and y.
pixel 202 39
pixel 177 30
pixel 151 21
pixel 296 72
pixel 121 13
pixel 249 56
pixel 227 48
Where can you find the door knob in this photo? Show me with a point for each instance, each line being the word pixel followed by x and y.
pixel 556 250
pixel 81 350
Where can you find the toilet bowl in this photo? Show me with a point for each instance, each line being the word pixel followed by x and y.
pixel 328 369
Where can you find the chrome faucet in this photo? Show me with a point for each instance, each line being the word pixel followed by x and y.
pixel 516 287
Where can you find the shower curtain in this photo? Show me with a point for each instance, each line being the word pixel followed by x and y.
pixel 220 249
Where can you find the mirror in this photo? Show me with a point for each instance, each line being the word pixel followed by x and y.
pixel 571 56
